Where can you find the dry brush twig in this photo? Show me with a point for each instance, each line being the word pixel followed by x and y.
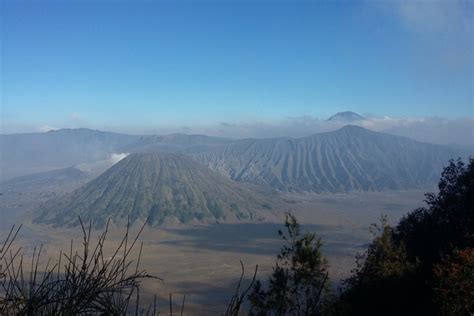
pixel 80 283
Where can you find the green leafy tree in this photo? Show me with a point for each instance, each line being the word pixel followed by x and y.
pixel 447 223
pixel 454 283
pixel 433 232
pixel 299 279
pixel 404 271
pixel 383 259
pixel 382 273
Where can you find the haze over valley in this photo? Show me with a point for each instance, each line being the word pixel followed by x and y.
pixel 204 196
pixel 56 176
pixel 237 157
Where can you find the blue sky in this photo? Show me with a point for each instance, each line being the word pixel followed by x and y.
pixel 145 64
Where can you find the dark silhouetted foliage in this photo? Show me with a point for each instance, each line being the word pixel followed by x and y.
pixel 299 278
pixel 454 283
pixel 382 273
pixel 447 222
pixel 403 271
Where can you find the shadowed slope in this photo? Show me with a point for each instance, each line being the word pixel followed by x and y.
pixel 42 181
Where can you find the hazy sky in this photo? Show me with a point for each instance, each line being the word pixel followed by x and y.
pixel 159 64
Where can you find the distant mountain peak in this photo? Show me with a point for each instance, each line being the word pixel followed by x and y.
pixel 346 116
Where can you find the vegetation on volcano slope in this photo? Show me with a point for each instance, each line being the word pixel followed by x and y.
pixel 423 265
pixel 159 187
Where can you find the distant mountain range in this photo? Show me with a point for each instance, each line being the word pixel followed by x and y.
pixel 175 143
pixel 351 158
pixel 197 178
pixel 22 154
pixel 161 187
pixel 60 180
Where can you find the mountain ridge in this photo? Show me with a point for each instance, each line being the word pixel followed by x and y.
pixel 41 152
pixel 351 158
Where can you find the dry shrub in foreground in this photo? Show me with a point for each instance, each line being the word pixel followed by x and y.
pixel 79 283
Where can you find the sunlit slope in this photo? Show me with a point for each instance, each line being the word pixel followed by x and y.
pixel 352 158
pixel 163 187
